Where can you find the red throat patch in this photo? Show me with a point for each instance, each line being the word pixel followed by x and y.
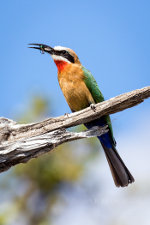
pixel 60 64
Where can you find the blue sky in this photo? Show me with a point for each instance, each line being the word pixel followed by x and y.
pixel 111 39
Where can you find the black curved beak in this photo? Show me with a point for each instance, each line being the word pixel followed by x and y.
pixel 43 48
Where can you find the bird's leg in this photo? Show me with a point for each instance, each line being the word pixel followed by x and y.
pixel 93 107
pixel 66 114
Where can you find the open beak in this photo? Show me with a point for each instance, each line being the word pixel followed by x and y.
pixel 43 48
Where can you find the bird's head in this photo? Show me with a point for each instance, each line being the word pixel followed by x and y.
pixel 61 55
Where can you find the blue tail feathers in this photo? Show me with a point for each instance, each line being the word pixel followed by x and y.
pixel 121 175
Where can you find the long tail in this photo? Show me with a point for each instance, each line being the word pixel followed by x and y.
pixel 121 175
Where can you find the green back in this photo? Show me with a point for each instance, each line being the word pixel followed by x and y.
pixel 92 86
pixel 96 93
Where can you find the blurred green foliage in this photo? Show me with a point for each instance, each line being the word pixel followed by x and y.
pixel 38 108
pixel 36 185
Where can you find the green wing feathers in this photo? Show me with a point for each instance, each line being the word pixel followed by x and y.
pixel 96 93
pixel 92 86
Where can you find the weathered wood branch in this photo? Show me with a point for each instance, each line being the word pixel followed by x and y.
pixel 21 142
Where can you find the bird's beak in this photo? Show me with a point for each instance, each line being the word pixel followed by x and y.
pixel 43 48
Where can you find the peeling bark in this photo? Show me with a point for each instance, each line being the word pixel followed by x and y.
pixel 21 142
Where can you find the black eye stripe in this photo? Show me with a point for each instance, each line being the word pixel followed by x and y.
pixel 65 54
pixel 63 51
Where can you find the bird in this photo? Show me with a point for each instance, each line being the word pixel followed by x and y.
pixel 81 90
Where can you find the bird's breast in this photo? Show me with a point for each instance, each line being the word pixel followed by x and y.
pixel 75 91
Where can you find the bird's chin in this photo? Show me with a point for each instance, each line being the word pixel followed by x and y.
pixel 60 58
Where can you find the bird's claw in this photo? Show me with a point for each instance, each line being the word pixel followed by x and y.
pixel 93 107
pixel 66 114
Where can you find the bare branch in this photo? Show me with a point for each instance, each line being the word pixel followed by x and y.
pixel 21 142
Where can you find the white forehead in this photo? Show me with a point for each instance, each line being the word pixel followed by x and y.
pixel 59 48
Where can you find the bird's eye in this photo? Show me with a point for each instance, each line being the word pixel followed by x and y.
pixel 64 51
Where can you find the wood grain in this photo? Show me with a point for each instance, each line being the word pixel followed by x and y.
pixel 21 142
